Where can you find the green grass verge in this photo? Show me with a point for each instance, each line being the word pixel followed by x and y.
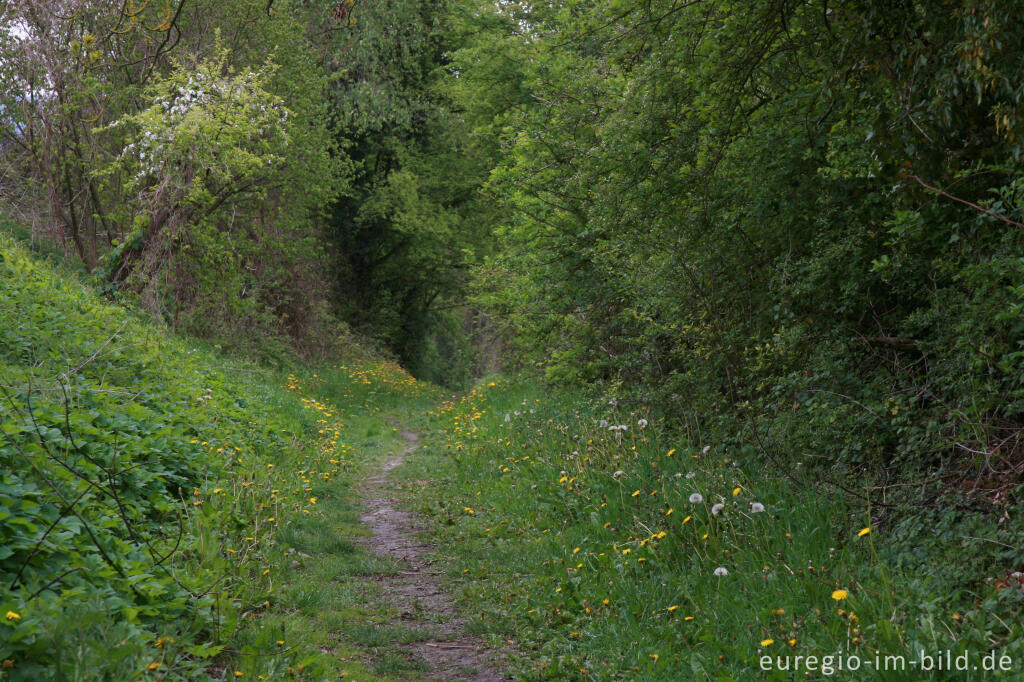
pixel 627 554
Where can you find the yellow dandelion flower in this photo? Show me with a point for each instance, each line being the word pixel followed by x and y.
pixel 864 532
pixel 688 618
pixel 153 666
pixel 635 493
pixel 735 491
pixel 671 452
pixel 672 608
pixel 13 615
pixel 840 595
pixel 576 550
pixel 669 512
pixel 792 642
pixel 767 642
pixel 687 519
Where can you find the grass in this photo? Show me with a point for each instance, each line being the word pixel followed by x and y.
pixel 170 513
pixel 585 545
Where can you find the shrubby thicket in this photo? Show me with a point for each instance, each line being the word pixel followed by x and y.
pixel 795 224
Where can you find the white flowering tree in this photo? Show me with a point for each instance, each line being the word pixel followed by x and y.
pixel 199 163
pixel 210 139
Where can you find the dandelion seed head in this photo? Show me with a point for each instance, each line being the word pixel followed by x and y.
pixel 696 498
pixel 721 571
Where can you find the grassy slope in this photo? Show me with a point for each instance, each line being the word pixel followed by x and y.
pixel 166 513
pixel 584 545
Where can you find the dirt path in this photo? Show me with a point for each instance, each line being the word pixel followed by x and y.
pixel 417 593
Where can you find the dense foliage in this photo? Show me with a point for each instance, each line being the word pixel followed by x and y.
pixel 411 223
pixel 163 146
pixel 792 222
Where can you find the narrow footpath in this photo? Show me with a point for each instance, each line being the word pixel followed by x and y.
pixel 416 592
